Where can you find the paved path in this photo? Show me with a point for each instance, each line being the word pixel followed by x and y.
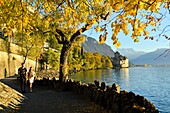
pixel 45 100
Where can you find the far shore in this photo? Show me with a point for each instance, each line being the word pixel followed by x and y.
pixel 149 65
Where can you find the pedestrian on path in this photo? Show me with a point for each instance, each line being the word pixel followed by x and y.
pixel 22 71
pixel 31 75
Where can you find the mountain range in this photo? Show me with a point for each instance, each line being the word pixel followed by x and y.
pixel 91 45
pixel 157 57
pixel 131 53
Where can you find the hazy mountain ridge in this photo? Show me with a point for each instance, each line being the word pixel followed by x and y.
pixel 91 45
pixel 131 53
pixel 156 57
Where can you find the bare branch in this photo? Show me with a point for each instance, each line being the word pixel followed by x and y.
pixel 60 4
pixel 150 4
pixel 164 29
pixel 165 52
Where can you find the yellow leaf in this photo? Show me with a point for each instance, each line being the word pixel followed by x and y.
pixel 102 29
pixel 113 24
pixel 94 21
pixel 152 23
pixel 136 40
pixel 133 36
pixel 47 9
pixel 166 6
pixel 118 45
pixel 146 33
pixel 115 41
pixel 113 37
pixel 80 31
pixel 102 38
pixel 116 7
pixel 5 34
pixel 46 24
pixel 45 4
pixel 97 28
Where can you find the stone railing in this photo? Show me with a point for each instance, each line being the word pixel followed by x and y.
pixel 109 97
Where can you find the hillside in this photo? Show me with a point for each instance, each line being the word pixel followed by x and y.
pixel 153 58
pixel 91 45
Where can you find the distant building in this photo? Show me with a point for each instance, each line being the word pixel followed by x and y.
pixel 120 61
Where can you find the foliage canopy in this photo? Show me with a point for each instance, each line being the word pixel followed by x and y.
pixel 68 17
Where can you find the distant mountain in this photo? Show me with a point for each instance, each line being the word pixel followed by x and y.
pixel 130 53
pixel 91 45
pixel 158 57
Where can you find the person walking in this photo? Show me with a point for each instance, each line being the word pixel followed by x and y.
pixel 22 71
pixel 31 75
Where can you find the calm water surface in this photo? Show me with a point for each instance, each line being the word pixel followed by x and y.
pixel 151 82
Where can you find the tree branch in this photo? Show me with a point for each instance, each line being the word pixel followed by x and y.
pixel 81 30
pixel 150 4
pixel 58 39
pixel 165 52
pixel 136 13
pixel 60 4
pixel 61 34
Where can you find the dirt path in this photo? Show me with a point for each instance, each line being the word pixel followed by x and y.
pixel 44 100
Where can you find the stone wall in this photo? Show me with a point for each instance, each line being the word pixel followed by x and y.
pixel 13 47
pixel 109 97
pixel 14 59
pixel 15 63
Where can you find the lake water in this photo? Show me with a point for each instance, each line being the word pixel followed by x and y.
pixel 151 82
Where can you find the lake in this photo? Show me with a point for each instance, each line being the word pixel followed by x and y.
pixel 151 82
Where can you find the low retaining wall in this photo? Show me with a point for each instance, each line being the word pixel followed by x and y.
pixel 109 97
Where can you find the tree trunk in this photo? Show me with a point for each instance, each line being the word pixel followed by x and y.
pixel 64 62
pixel 66 50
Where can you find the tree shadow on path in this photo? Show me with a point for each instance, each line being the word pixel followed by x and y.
pixel 47 100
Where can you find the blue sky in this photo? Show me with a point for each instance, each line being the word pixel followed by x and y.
pixel 127 42
pixel 142 45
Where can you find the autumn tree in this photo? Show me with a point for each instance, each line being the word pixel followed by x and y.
pixel 67 19
pixel 98 63
pixel 106 62
pixel 75 60
pixel 89 61
pixel 53 43
pixel 52 57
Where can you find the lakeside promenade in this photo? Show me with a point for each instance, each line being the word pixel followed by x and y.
pixel 42 99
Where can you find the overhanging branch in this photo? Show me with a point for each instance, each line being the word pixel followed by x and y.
pixel 81 30
pixel 166 52
pixel 61 34
pixel 58 39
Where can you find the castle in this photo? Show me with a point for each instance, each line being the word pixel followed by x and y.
pixel 120 61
